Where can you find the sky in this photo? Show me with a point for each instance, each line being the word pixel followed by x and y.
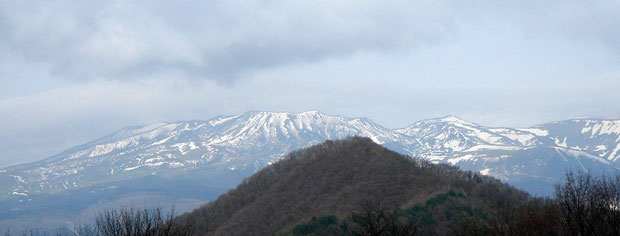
pixel 73 71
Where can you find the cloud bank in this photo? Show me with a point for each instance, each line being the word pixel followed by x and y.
pixel 224 40
pixel 213 40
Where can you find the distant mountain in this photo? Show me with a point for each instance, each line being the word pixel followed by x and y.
pixel 246 142
pixel 451 134
pixel 143 164
pixel 533 159
pixel 336 178
pixel 599 137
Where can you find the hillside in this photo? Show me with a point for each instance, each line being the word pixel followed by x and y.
pixel 336 178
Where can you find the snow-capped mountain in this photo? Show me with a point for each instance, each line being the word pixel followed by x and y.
pixel 600 137
pixel 195 161
pixel 245 142
pixel 451 134
pixel 531 158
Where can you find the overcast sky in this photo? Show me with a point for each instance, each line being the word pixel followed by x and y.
pixel 72 71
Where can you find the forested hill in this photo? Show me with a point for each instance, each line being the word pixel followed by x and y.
pixel 336 178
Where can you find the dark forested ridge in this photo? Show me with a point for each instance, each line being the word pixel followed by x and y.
pixel 336 178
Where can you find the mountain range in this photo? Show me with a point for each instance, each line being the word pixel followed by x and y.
pixel 190 162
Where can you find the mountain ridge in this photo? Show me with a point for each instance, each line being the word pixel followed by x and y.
pixel 433 139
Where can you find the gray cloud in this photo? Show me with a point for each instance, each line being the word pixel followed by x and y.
pixel 224 40
pixel 218 40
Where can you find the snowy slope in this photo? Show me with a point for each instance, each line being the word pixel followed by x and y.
pixel 248 141
pixel 532 158
pixel 600 137
pixel 452 134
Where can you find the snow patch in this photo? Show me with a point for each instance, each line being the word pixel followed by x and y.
pixel 19 178
pixel 454 144
pixel 176 164
pixel 185 147
pixel 612 156
pixel 577 153
pixel 103 149
pixel 467 157
pixel 561 144
pixel 454 119
pixel 523 138
pixel 162 141
pixel 486 171
pixel 20 194
pixel 600 148
pixel 536 131
pixel 132 168
pixel 493 147
pixel 173 164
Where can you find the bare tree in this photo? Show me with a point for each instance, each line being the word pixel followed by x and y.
pixel 134 222
pixel 589 205
pixel 374 220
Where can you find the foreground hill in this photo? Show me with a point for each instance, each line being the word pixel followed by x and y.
pixel 336 178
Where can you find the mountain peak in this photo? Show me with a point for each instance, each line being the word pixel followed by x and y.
pixel 279 117
pixel 449 119
pixel 311 112
pixel 453 118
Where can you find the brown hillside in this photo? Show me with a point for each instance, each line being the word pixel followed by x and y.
pixel 336 177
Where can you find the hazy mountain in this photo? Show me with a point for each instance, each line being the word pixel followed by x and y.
pixel 533 159
pixel 202 159
pixel 246 142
